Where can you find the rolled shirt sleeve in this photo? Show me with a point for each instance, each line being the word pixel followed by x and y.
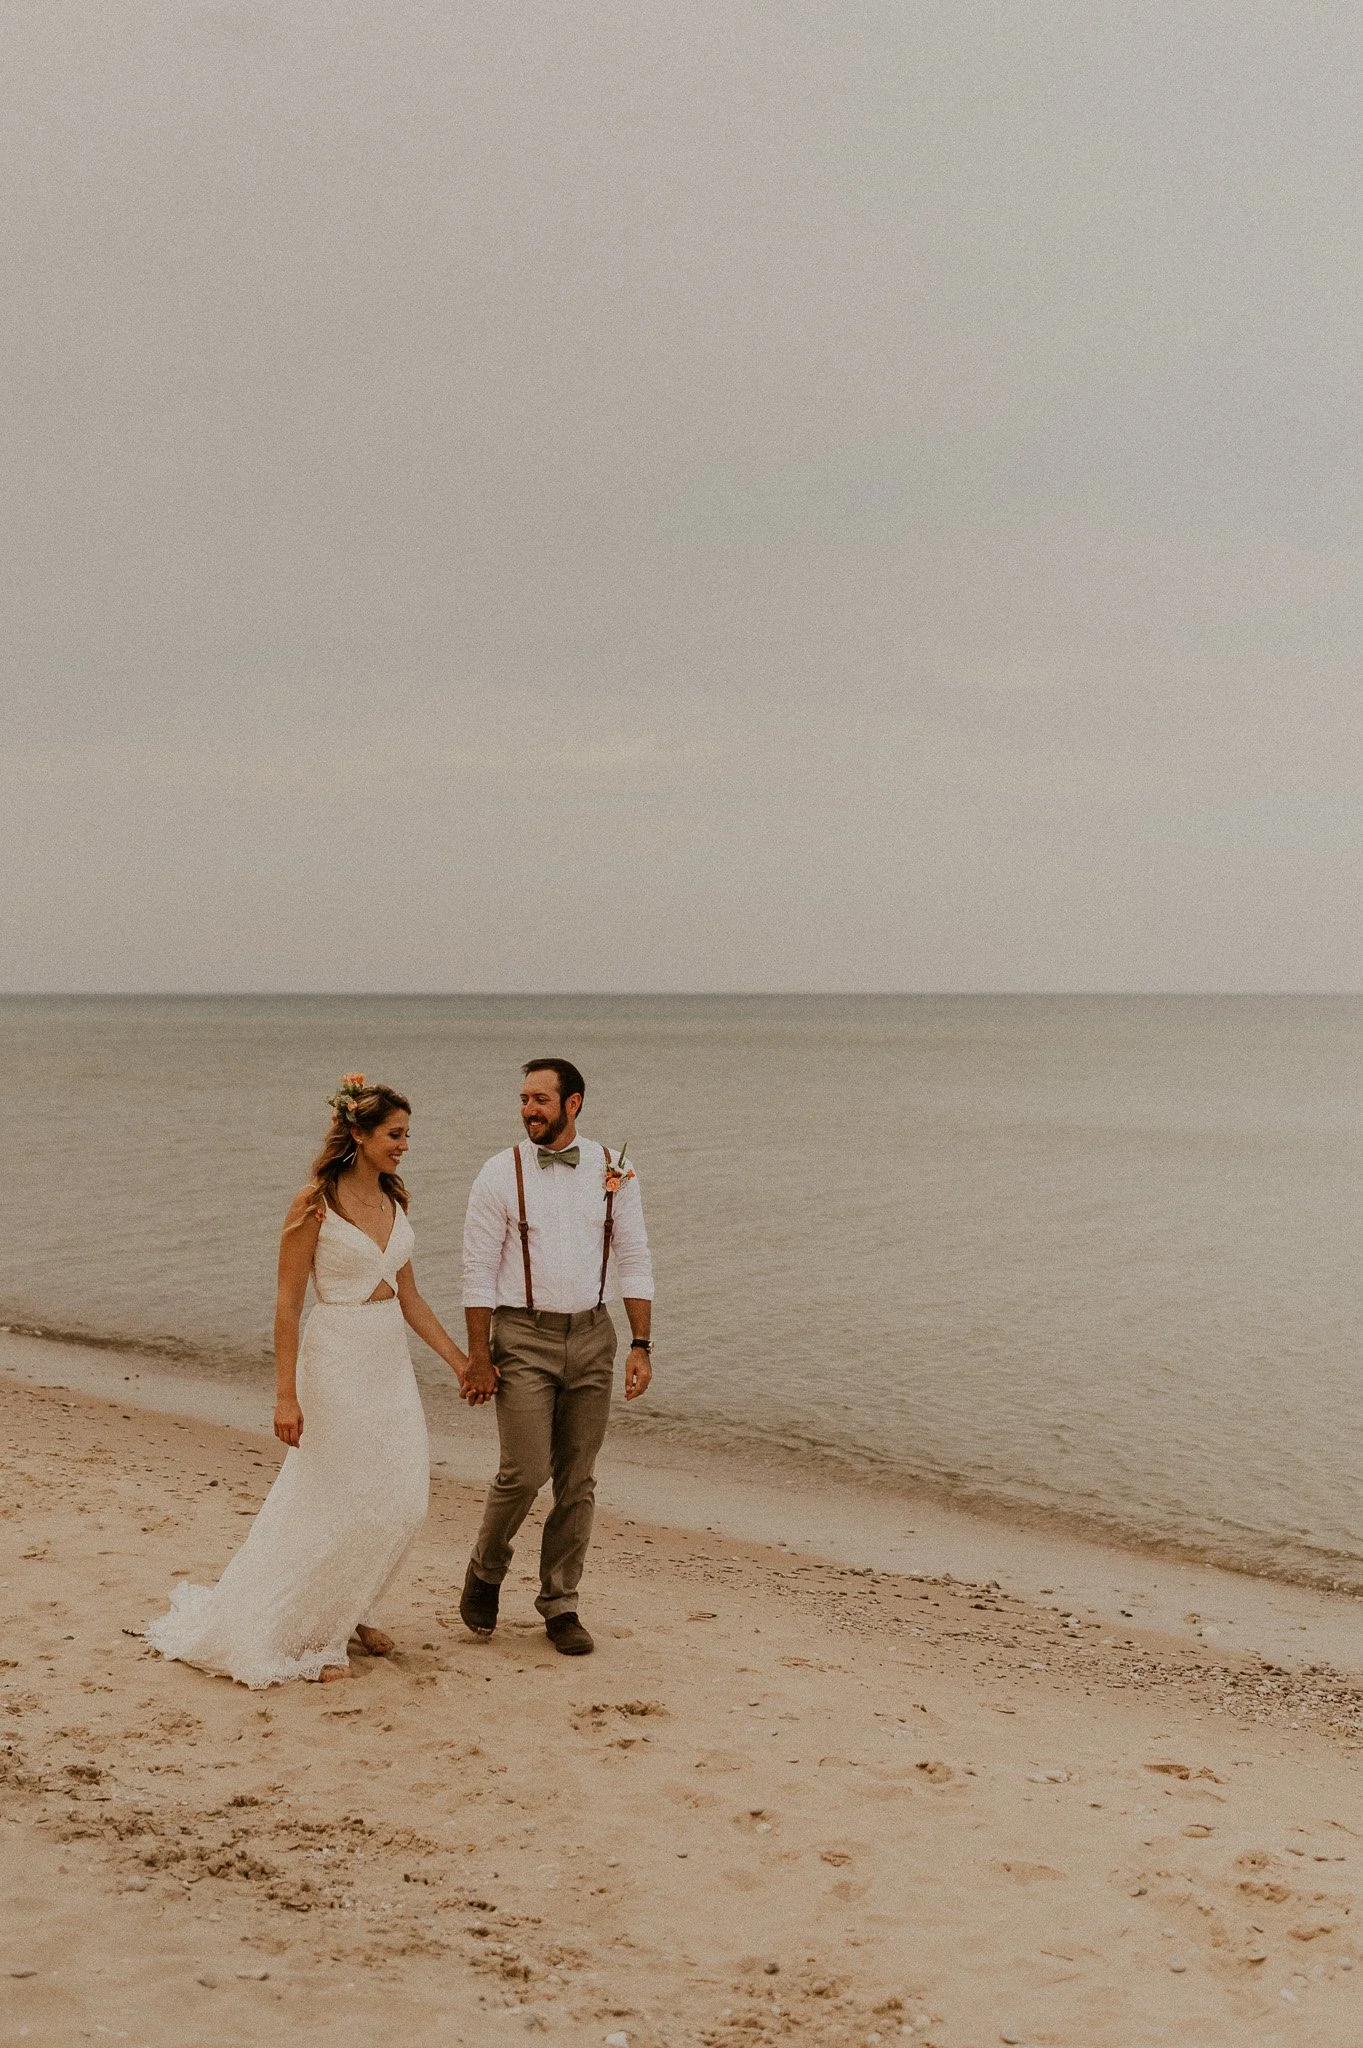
pixel 485 1228
pixel 629 1244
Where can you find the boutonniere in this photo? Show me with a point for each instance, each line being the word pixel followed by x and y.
pixel 617 1173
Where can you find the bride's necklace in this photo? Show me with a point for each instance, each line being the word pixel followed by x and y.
pixel 377 1208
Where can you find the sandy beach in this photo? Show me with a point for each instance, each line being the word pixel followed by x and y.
pixel 788 1798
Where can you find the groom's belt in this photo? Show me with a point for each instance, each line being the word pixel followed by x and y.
pixel 551 1319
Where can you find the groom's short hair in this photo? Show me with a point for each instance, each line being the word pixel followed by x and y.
pixel 570 1081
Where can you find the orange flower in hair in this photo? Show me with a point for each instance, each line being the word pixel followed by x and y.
pixel 344 1100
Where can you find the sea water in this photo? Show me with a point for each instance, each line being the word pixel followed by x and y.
pixel 1092 1258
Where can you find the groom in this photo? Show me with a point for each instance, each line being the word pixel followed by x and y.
pixel 545 1222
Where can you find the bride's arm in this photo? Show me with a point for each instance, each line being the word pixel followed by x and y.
pixel 428 1325
pixel 296 1247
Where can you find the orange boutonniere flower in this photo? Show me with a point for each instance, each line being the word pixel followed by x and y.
pixel 617 1173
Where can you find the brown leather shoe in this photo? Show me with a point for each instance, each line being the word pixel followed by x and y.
pixel 568 1636
pixel 478 1604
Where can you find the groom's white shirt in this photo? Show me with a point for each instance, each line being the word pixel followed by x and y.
pixel 565 1207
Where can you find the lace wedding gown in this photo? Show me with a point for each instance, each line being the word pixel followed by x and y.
pixel 342 1514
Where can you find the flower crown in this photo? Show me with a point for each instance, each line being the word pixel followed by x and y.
pixel 347 1095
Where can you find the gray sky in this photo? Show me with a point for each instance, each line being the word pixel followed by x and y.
pixel 714 495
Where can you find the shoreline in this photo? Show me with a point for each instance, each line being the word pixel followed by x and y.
pixel 851 1521
pixel 662 1438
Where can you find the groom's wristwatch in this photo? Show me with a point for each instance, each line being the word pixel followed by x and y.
pixel 641 1344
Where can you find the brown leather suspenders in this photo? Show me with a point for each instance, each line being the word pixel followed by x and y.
pixel 610 1232
pixel 525 1229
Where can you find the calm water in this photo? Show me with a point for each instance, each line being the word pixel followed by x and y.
pixel 1091 1256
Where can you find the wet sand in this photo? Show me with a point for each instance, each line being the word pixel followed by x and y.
pixel 790 1797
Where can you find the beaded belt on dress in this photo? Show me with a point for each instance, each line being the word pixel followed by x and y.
pixel 383 1301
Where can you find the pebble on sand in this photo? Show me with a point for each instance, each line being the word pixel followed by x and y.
pixel 253 1976
pixel 23 1973
pixel 209 1983
pixel 617 2041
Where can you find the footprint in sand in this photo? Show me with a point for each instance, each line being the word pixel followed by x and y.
pixel 758 1820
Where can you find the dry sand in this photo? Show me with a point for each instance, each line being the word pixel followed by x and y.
pixel 785 1799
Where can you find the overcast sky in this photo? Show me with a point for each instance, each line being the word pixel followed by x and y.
pixel 861 494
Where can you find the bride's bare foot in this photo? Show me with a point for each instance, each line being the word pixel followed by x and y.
pixel 375 1641
pixel 331 1672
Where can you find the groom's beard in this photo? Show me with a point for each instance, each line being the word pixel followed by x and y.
pixel 546 1133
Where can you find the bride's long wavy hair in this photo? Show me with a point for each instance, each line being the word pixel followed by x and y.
pixel 362 1110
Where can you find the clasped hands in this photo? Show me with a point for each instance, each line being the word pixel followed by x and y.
pixel 480 1378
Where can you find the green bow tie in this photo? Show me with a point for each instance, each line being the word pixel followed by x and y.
pixel 569 1156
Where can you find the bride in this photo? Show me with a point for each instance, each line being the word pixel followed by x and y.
pixel 352 1491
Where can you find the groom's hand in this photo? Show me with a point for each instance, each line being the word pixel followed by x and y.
pixel 480 1380
pixel 638 1374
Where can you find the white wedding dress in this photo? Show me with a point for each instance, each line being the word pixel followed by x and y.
pixel 342 1514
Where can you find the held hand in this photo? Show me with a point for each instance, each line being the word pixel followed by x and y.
pixel 288 1422
pixel 480 1381
pixel 638 1374
pixel 459 1366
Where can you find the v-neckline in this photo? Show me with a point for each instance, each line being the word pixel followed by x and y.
pixel 381 1249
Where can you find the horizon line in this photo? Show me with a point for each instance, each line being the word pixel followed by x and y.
pixel 670 994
